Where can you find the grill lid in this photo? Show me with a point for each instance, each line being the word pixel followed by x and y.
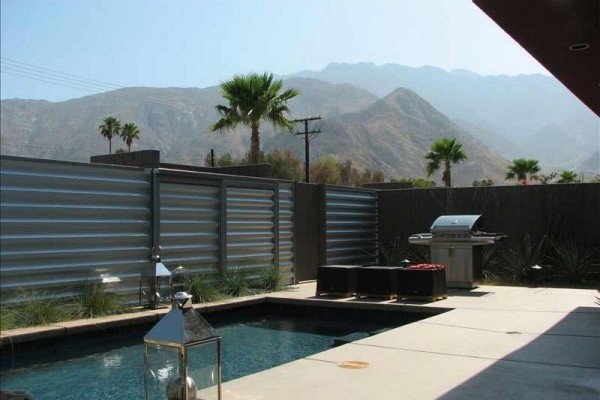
pixel 454 223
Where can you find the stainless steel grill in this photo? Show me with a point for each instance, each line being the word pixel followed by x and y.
pixel 456 242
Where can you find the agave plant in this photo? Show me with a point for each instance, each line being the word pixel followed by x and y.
pixel 572 262
pixel 234 282
pixel 34 308
pixel 205 289
pixel 96 300
pixel 518 261
pixel 272 279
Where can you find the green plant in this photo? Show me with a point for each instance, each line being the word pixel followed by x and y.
pixel 7 318
pixel 416 182
pixel 96 300
pixel 520 168
pixel 110 128
pixel 449 152
pixel 254 98
pixel 393 252
pixel 491 264
pixel 272 279
pixel 234 282
pixel 35 308
pixel 573 263
pixel 129 133
pixel 204 289
pixel 483 183
pixel 517 262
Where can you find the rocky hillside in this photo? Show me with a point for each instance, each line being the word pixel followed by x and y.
pixel 391 134
pixel 531 116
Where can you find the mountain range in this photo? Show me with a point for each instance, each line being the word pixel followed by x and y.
pixel 524 116
pixel 373 123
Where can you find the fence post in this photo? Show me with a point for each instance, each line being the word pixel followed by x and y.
pixel 222 227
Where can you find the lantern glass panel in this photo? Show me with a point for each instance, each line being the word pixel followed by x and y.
pixel 203 368
pixel 163 365
pixel 162 287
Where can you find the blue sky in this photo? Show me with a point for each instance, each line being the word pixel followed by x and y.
pixel 200 43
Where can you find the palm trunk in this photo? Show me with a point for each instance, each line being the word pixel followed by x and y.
pixel 109 145
pixel 255 145
pixel 448 174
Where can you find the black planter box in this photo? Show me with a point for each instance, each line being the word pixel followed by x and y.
pixel 377 281
pixel 425 284
pixel 337 280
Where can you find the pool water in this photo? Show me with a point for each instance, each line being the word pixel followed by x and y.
pixel 249 344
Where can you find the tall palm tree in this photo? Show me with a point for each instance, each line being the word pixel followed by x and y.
pixel 444 150
pixel 253 98
pixel 521 167
pixel 129 133
pixel 111 127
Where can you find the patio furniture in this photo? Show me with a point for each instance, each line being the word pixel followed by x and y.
pixel 336 280
pixel 377 281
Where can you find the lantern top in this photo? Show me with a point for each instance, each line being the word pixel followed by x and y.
pixel 180 327
pixel 161 270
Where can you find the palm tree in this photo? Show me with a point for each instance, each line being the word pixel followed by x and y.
pixel 568 177
pixel 521 167
pixel 448 151
pixel 253 98
pixel 130 132
pixel 110 128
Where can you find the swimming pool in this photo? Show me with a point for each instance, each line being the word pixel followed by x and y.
pixel 253 340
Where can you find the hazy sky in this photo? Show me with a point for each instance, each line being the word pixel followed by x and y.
pixel 202 42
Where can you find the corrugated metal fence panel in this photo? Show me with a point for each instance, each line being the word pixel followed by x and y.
pixel 286 230
pixel 351 226
pixel 64 223
pixel 250 227
pixel 189 227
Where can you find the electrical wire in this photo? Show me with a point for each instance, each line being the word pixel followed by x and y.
pixel 46 75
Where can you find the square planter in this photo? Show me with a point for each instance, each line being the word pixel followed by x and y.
pixel 422 284
pixel 336 280
pixel 377 282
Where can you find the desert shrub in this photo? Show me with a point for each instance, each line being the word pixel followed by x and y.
pixel 491 264
pixel 95 300
pixel 204 289
pixel 7 318
pixel 396 250
pixel 33 309
pixel 272 279
pixel 573 263
pixel 234 282
pixel 516 262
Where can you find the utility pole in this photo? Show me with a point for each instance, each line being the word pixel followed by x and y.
pixel 306 141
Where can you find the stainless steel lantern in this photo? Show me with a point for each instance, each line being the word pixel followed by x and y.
pixel 159 283
pixel 182 355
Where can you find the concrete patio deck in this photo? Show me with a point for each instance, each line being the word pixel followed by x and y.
pixel 496 342
pixel 493 342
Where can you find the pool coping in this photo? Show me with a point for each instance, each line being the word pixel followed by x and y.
pixel 100 324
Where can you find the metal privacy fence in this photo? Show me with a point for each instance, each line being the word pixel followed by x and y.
pixel 349 226
pixel 64 224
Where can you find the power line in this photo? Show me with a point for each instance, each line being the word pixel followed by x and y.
pixel 74 78
pixel 30 71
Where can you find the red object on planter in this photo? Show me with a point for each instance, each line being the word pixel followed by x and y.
pixel 427 266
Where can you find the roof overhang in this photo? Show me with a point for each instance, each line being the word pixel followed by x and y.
pixel 563 35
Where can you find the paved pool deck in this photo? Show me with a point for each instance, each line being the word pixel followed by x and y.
pixel 493 342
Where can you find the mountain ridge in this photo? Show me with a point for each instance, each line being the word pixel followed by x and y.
pixel 180 129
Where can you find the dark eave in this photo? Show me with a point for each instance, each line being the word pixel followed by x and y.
pixel 547 29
